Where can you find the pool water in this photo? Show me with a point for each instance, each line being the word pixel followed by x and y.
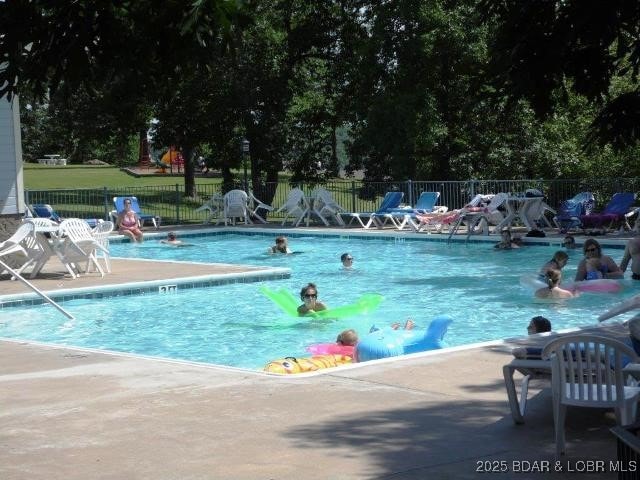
pixel 236 325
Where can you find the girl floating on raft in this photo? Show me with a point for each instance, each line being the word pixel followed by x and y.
pixel 309 297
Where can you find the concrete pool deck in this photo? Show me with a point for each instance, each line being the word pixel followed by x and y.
pixel 79 414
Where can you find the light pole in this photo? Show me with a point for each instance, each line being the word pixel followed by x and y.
pixel 245 154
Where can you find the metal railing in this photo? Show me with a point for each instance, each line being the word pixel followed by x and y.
pixel 171 203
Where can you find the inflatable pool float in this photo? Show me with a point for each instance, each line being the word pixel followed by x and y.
pixel 388 342
pixel 290 365
pixel 331 349
pixel 602 285
pixel 289 304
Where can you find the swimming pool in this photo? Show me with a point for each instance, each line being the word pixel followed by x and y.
pixel 236 325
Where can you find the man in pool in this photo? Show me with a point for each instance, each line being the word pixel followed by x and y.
pixel 309 295
pixel 632 254
pixel 347 261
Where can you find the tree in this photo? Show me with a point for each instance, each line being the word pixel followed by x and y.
pixel 544 49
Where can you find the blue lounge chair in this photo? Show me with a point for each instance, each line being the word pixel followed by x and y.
pixel 118 202
pixel 400 217
pixel 615 211
pixel 390 201
pixel 571 210
pixel 44 210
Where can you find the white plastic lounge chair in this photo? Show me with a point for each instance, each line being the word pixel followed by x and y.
pixel 40 248
pixel 255 205
pixel 101 234
pixel 235 207
pixel 530 369
pixel 325 207
pixel 296 206
pixel 12 251
pixel 118 202
pixel 213 207
pixel 79 245
pixel 594 378
pixel 479 218
pixel 390 201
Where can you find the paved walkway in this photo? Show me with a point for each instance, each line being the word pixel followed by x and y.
pixel 80 414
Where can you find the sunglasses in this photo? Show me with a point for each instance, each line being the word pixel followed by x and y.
pixel 591 249
pixel 310 295
pixel 349 258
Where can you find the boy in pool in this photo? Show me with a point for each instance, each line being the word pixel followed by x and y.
pixel 309 295
pixel 281 246
pixel 171 239
pixel 536 325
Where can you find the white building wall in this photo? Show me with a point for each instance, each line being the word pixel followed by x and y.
pixel 11 180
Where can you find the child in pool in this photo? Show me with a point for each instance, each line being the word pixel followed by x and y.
pixel 593 267
pixel 553 277
pixel 281 246
pixel 309 295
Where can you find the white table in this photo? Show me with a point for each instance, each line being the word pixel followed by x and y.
pixel 519 208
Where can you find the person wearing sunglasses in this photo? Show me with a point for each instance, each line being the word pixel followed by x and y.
pixel 128 223
pixel 595 260
pixel 347 261
pixel 309 297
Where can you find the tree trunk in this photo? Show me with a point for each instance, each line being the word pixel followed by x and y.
pixel 189 172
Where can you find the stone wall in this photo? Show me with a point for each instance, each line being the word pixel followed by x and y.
pixel 8 225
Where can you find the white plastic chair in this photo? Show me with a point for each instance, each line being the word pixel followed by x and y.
pixel 325 207
pixel 587 371
pixel 101 233
pixel 213 207
pixel 235 206
pixel 79 245
pixel 255 205
pixel 296 206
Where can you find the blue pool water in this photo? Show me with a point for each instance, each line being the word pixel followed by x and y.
pixel 236 325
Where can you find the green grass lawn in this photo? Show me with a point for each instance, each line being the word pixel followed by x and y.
pixel 45 177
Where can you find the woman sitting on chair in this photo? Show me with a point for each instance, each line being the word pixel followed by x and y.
pixel 128 222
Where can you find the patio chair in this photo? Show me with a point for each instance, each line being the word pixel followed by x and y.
pixel 118 203
pixel 594 378
pixel 390 201
pixel 101 234
pixel 78 245
pixel 12 248
pixel 213 207
pixel 235 206
pixel 479 218
pixel 255 205
pixel 44 210
pixel 530 368
pixel 400 217
pixel 295 206
pixel 571 210
pixel 613 212
pixel 325 207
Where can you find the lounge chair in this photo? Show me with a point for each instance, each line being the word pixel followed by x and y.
pixel 13 253
pixel 118 202
pixel 325 207
pixel 390 201
pixel 295 206
pixel 255 206
pixel 213 207
pixel 438 219
pixel 44 210
pixel 400 217
pixel 479 218
pixel 593 379
pixel 530 368
pixel 614 212
pixel 571 210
